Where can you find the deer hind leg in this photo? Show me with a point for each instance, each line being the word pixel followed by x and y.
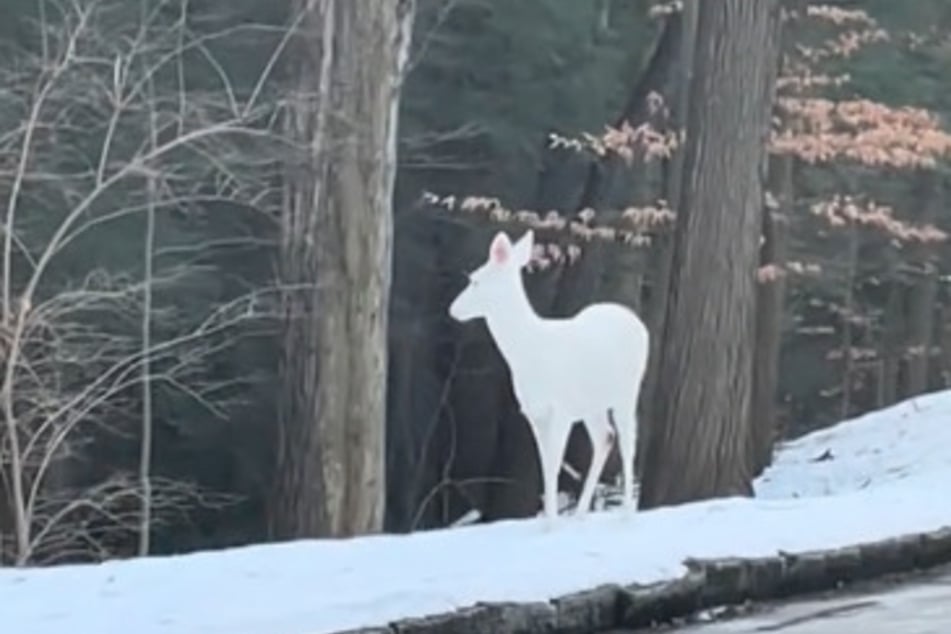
pixel 625 422
pixel 602 436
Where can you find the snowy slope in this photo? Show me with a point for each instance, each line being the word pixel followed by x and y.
pixel 908 440
pixel 885 475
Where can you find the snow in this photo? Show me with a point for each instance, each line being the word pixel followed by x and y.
pixel 885 476
pixel 908 440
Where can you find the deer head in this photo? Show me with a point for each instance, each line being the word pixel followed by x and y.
pixel 491 286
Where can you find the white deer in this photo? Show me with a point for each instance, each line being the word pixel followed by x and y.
pixel 588 367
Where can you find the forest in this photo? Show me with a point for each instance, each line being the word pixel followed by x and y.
pixel 232 230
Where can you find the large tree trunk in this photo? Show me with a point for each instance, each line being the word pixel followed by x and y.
pixel 337 240
pixel 699 442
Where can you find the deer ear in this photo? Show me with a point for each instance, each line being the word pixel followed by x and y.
pixel 501 250
pixel 523 248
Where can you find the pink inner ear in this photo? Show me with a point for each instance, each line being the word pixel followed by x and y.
pixel 499 251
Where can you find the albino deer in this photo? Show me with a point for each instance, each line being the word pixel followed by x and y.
pixel 587 367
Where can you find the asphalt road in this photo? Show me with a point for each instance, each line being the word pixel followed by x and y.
pixel 916 606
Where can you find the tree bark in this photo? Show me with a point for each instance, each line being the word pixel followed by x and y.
pixel 699 443
pixel 337 242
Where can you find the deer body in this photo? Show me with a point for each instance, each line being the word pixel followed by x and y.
pixel 586 368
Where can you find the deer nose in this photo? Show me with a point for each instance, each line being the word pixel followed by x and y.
pixel 459 310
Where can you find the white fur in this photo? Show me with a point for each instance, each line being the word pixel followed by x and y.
pixel 563 370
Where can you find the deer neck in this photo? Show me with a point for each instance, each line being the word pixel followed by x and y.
pixel 515 324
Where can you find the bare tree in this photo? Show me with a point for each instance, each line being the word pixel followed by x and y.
pixel 337 234
pixel 699 441
pixel 106 137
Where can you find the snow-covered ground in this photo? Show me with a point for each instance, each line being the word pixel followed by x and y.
pixel 879 476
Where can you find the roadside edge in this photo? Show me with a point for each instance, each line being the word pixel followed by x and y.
pixel 707 583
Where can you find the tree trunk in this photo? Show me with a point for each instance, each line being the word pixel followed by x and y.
pixel 893 338
pixel 924 292
pixel 848 319
pixel 337 243
pixel 923 297
pixel 699 445
pixel 944 343
pixel 770 300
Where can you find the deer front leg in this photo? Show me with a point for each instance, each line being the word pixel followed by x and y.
pixel 552 442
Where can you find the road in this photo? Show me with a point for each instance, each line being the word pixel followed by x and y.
pixel 917 606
